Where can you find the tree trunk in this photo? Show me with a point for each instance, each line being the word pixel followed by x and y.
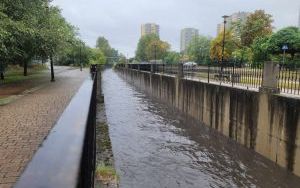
pixel 52 69
pixel 292 55
pixel 2 75
pixel 25 67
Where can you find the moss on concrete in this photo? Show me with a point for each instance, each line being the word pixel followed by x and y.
pixel 106 175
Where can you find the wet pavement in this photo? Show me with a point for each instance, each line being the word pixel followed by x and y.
pixel 155 146
pixel 25 122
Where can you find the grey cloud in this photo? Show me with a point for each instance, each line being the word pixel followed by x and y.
pixel 119 20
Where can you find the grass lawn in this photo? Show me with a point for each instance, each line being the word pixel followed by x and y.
pixel 15 83
pixel 14 74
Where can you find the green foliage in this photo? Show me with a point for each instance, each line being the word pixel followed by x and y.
pixel 198 50
pixel 270 47
pixel 106 174
pixel 32 30
pixel 97 57
pixel 243 55
pixel 289 36
pixel 217 44
pixel 157 49
pixel 122 59
pixel 103 45
pixel 111 54
pixel 141 51
pixel 258 24
pixel 75 53
pixel 260 48
pixel 240 38
pixel 172 57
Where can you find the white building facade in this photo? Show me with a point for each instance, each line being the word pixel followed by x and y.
pixel 186 36
pixel 149 28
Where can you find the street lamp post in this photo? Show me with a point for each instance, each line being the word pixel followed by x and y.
pixel 1 70
pixel 155 53
pixel 284 48
pixel 223 42
pixel 52 69
pixel 80 56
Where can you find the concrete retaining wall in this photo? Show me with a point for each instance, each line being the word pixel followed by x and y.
pixel 268 124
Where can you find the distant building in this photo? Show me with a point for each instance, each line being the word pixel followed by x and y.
pixel 238 16
pixel 186 36
pixel 149 28
pixel 220 28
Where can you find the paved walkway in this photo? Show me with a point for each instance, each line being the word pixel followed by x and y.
pixel 26 122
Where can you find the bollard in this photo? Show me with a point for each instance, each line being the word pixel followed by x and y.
pixel 270 78
pixel 180 70
pixel 152 68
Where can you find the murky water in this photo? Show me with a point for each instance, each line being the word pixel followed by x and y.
pixel 155 146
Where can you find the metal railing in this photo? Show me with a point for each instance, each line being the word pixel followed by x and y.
pixel 166 69
pixel 67 157
pixel 289 79
pixel 249 76
pixel 246 76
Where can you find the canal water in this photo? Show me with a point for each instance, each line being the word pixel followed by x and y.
pixel 154 146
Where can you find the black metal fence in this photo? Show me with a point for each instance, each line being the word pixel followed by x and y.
pixel 249 76
pixel 289 79
pixel 67 157
pixel 246 76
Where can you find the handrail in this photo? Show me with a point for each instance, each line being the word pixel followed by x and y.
pixel 67 157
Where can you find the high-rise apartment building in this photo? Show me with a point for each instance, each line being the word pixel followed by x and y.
pixel 186 36
pixel 220 28
pixel 238 16
pixel 149 28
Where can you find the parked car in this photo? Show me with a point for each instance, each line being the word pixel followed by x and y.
pixel 189 65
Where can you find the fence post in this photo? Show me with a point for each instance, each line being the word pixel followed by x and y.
pixel 152 68
pixel 180 70
pixel 270 75
pixel 139 67
pixel 208 70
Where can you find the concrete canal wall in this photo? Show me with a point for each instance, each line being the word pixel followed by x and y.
pixel 266 123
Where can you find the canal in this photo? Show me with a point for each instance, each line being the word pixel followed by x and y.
pixel 155 146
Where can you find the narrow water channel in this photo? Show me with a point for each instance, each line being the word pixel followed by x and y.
pixel 154 146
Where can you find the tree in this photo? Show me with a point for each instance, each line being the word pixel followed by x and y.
pixel 32 29
pixel 97 57
pixel 258 24
pixel 289 36
pixel 144 41
pixel 260 49
pixel 157 49
pixel 198 49
pixel 172 57
pixel 26 17
pixel 74 53
pixel 110 53
pixel 103 45
pixel 217 44
pixel 56 34
pixel 122 59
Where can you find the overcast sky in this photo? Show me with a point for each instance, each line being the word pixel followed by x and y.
pixel 120 20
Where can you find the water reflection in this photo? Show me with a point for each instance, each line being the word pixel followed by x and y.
pixel 155 146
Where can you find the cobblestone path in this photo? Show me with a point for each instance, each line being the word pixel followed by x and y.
pixel 26 122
